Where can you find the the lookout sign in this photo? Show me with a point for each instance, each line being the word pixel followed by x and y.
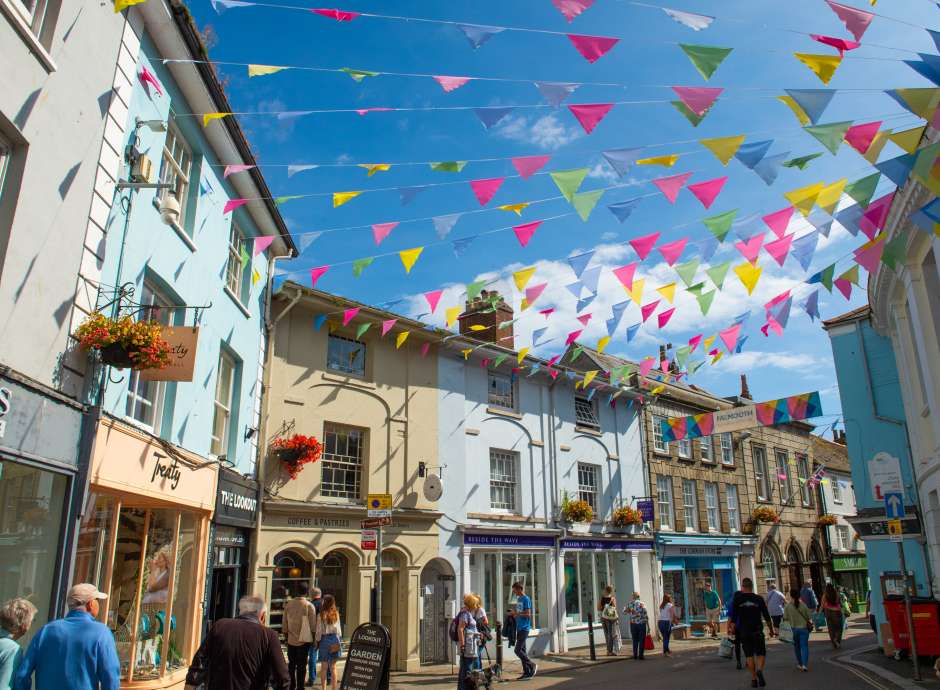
pixel 367 660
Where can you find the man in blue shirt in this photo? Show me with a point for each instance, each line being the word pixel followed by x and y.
pixel 72 653
pixel 808 596
pixel 523 618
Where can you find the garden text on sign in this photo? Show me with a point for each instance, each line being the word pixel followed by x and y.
pixel 368 658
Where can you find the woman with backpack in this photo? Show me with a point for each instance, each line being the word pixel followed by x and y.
pixel 466 635
pixel 483 628
pixel 607 607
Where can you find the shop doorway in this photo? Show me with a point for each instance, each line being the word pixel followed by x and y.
pixel 437 588
pixel 794 567
pixel 225 593
pixel 332 577
pixel 622 567
pixel 817 572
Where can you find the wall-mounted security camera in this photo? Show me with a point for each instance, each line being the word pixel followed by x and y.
pixel 170 210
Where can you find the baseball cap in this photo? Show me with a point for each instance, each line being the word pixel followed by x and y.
pixel 81 594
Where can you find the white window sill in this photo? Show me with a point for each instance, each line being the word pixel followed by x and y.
pixel 588 430
pixel 238 303
pixel 29 38
pixel 661 453
pixel 503 411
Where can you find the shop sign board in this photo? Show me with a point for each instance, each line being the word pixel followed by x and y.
pixel 645 506
pixel 840 563
pixel 369 539
pixel 26 417
pixel 237 500
pixel 884 471
pixel 367 660
pixel 183 341
pixel 606 544
pixel 379 505
pixel 701 550
pixel 522 540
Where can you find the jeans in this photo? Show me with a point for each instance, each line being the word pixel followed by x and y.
pixel 638 634
pixel 801 646
pixel 312 662
pixel 519 649
pixel 665 629
pixel 466 663
pixel 297 664
pixel 611 635
pixel 776 620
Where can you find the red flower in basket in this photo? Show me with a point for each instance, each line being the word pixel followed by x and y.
pixel 296 451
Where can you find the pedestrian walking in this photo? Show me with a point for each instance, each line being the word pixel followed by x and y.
pixel 871 614
pixel 72 653
pixel 712 609
pixel 667 619
pixel 800 620
pixel 808 596
pixel 16 617
pixel 610 619
pixel 327 638
pixel 483 629
pixel 776 603
pixel 240 653
pixel 298 623
pixel 316 598
pixel 467 639
pixel 732 633
pixel 832 609
pixel 750 612
pixel 639 624
pixel 522 615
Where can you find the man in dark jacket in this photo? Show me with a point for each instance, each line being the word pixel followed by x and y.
pixel 240 653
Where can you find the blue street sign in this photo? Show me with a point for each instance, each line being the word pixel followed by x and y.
pixel 894 506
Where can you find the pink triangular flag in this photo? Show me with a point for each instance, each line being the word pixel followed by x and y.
pixel 381 230
pixel 648 309
pixel 779 220
pixel 771 323
pixel 840 44
pixel 729 337
pixel 387 325
pixel 349 315
pixel 646 365
pixel 855 20
pixel 572 8
pixel 527 166
pixel 664 316
pixel 774 301
pixel 237 168
pixel 845 287
pixel 584 318
pixel 625 274
pixel 573 336
pixel 876 215
pixel 593 48
pixel 869 257
pixel 525 231
pixel 433 297
pixel 485 189
pixel 673 250
pixel 644 245
pixel 859 137
pixel 698 99
pixel 589 114
pixel 451 83
pixel 262 243
pixel 671 185
pixel 547 312
pixel 425 348
pixel 146 77
pixel 694 341
pixel 232 204
pixel 751 248
pixel 708 191
pixel 534 292
pixel 338 15
pixel 779 249
pixel 363 111
pixel 316 274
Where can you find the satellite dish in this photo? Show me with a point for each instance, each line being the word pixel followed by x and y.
pixel 433 489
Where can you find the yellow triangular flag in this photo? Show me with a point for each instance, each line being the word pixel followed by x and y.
pixel 525 304
pixel 602 343
pixel 478 327
pixel 665 161
pixel 375 167
pixel 515 208
pixel 804 198
pixel 466 353
pixel 400 340
pixel 659 389
pixel 521 356
pixel 255 277
pixel 209 117
pixel 635 291
pixel 877 144
pixel 749 275
pixel 263 70
pixel 724 148
pixel 340 198
pixel 522 278
pixel 707 343
pixel 718 356
pixel 909 138
pixel 668 291
pixel 797 110
pixel 823 66
pixel 589 376
pixel 451 315
pixel 124 4
pixel 409 256
pixel 829 196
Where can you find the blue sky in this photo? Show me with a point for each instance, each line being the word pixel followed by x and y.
pixel 646 62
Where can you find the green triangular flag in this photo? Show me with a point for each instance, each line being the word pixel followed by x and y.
pixel 864 189
pixel 584 202
pixel 696 289
pixel 359 265
pixel 282 199
pixel 924 166
pixel 682 355
pixel 499 360
pixel 692 117
pixel 474 289
pixel 358 74
pixel 687 271
pixel 575 353
pixel 705 58
pixel 831 136
pixel 801 162
pixel 505 324
pixel 569 181
pixel 695 366
pixel 245 256
pixel 362 329
pixel 718 273
pixel 448 166
pixel 895 252
pixel 705 301
pixel 826 275
pixel 720 225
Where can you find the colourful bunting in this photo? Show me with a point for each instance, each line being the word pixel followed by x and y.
pixel 749 274
pixel 802 161
pixel 860 137
pixel 824 277
pixel 338 15
pixel 778 221
pixel 375 167
pixel 529 165
pixel 534 292
pixel 647 309
pixel 522 277
pixel 687 271
pixel 909 139
pixel 514 208
pixel 708 191
pixel 868 256
pixel 625 274
pixel 620 159
pixel 209 117
pixel 340 198
pixel 768 168
pixel 804 198
pixel 451 83
pixel 724 148
pixel 830 195
pixel 263 70
pixel 693 21
pixel 668 291
pixel 477 34
pixel 400 340
pixel 590 114
pixel 444 224
pixel 831 136
pixel 895 252
pixel 879 142
pixel 486 189
pixel 387 326
pixel 525 231
pixel 855 20
pixel 823 66
pixel 863 190
pixel 359 265
pixel 694 119
pixel 232 169
pixel 623 209
pixel 357 75
pixel 673 250
pixel 592 48
pixel 706 59
pixel 349 315
pixel 876 215
pixel 840 44
pixel 778 249
pixel 729 337
pixel 720 225
pixel 381 230
pixel 801 115
pixel 409 256
pixel 705 300
pixel 717 274
pixel 489 117
pixel 698 98
pixel 555 93
pixel 664 316
pixel 261 243
pixel 584 202
pixel 665 161
pixel 750 154
pixel 316 274
pixel 644 245
pixel 232 204
pixel 448 166
pixel 751 248
pixel 569 181
pixel 811 102
pixel 572 8
pixel 671 185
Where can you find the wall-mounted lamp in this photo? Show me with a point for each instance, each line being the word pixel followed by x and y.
pixel 152 125
pixel 422 469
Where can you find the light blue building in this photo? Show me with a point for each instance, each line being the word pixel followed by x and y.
pixel 875 423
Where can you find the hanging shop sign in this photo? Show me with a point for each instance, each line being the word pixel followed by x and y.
pixel 508 540
pixel 700 550
pixel 237 500
pixel 183 341
pixel 606 544
pixel 645 506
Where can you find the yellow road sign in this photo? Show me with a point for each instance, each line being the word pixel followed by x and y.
pixel 895 531
pixel 379 502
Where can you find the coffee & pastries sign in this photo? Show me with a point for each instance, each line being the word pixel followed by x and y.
pixel 183 341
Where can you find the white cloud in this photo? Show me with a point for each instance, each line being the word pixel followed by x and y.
pixel 546 132
pixel 749 359
pixel 608 236
pixel 602 171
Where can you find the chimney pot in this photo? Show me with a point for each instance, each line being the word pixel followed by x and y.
pixel 745 391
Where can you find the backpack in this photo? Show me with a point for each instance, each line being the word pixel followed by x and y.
pixel 452 630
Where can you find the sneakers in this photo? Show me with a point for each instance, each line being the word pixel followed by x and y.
pixel 760 679
pixel 753 682
pixel 535 668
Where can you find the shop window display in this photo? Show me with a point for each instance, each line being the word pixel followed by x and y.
pixel 586 575
pixel 290 570
pixel 674 587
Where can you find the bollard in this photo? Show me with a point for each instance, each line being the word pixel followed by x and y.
pixel 499 644
pixel 590 618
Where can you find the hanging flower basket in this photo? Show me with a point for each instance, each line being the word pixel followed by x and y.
pixel 124 343
pixel 827 520
pixel 625 517
pixel 293 452
pixel 576 511
pixel 765 514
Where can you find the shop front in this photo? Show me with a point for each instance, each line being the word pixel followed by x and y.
pixel 588 567
pixel 40 433
pixel 236 514
pixel 144 539
pixel 851 574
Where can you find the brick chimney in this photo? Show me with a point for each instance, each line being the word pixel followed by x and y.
pixel 489 310
pixel 838 437
pixel 745 391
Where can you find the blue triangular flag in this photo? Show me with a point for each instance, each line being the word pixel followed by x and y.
pixel 623 209
pixel 632 330
pixel 591 394
pixel 620 159
pixel 929 67
pixel 612 326
pixel 619 308
pixel 742 317
pixel 205 187
pixel 491 116
pixel 220 5
pixel 768 167
pixel 575 288
pixel 444 224
pixel 740 345
pixel 927 217
pixel 306 239
pixel 935 35
pixel 898 169
pixel 538 333
pixel 318 321
pixel 299 168
pixel 813 101
pixel 478 34
pixel 751 154
pixel 408 194
pixel 586 302
pixel 555 92
pixel 811 305
pixel 460 246
pixel 781 311
pixel 579 262
pixel 708 246
pixel 849 218
pixel 803 249
pixel 590 277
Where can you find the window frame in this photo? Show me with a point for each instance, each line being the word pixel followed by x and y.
pixel 235 273
pixel 341 461
pixel 846 543
pixel 836 489
pixel 664 485
pixel 587 491
pixel 507 481
pixel 786 490
pixel 760 472
pixel 690 508
pixel 155 303
pixel 734 512
pixel 729 448
pixel 707 442
pixel 220 445
pixel 712 511
pixel 497 401
pixel 802 468
pixel 592 419
pixel 659 444
pixel 332 338
pixel 181 192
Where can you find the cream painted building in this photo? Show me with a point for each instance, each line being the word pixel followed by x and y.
pixel 374 407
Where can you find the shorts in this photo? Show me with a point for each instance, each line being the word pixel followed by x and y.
pixel 753 644
pixel 713 616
